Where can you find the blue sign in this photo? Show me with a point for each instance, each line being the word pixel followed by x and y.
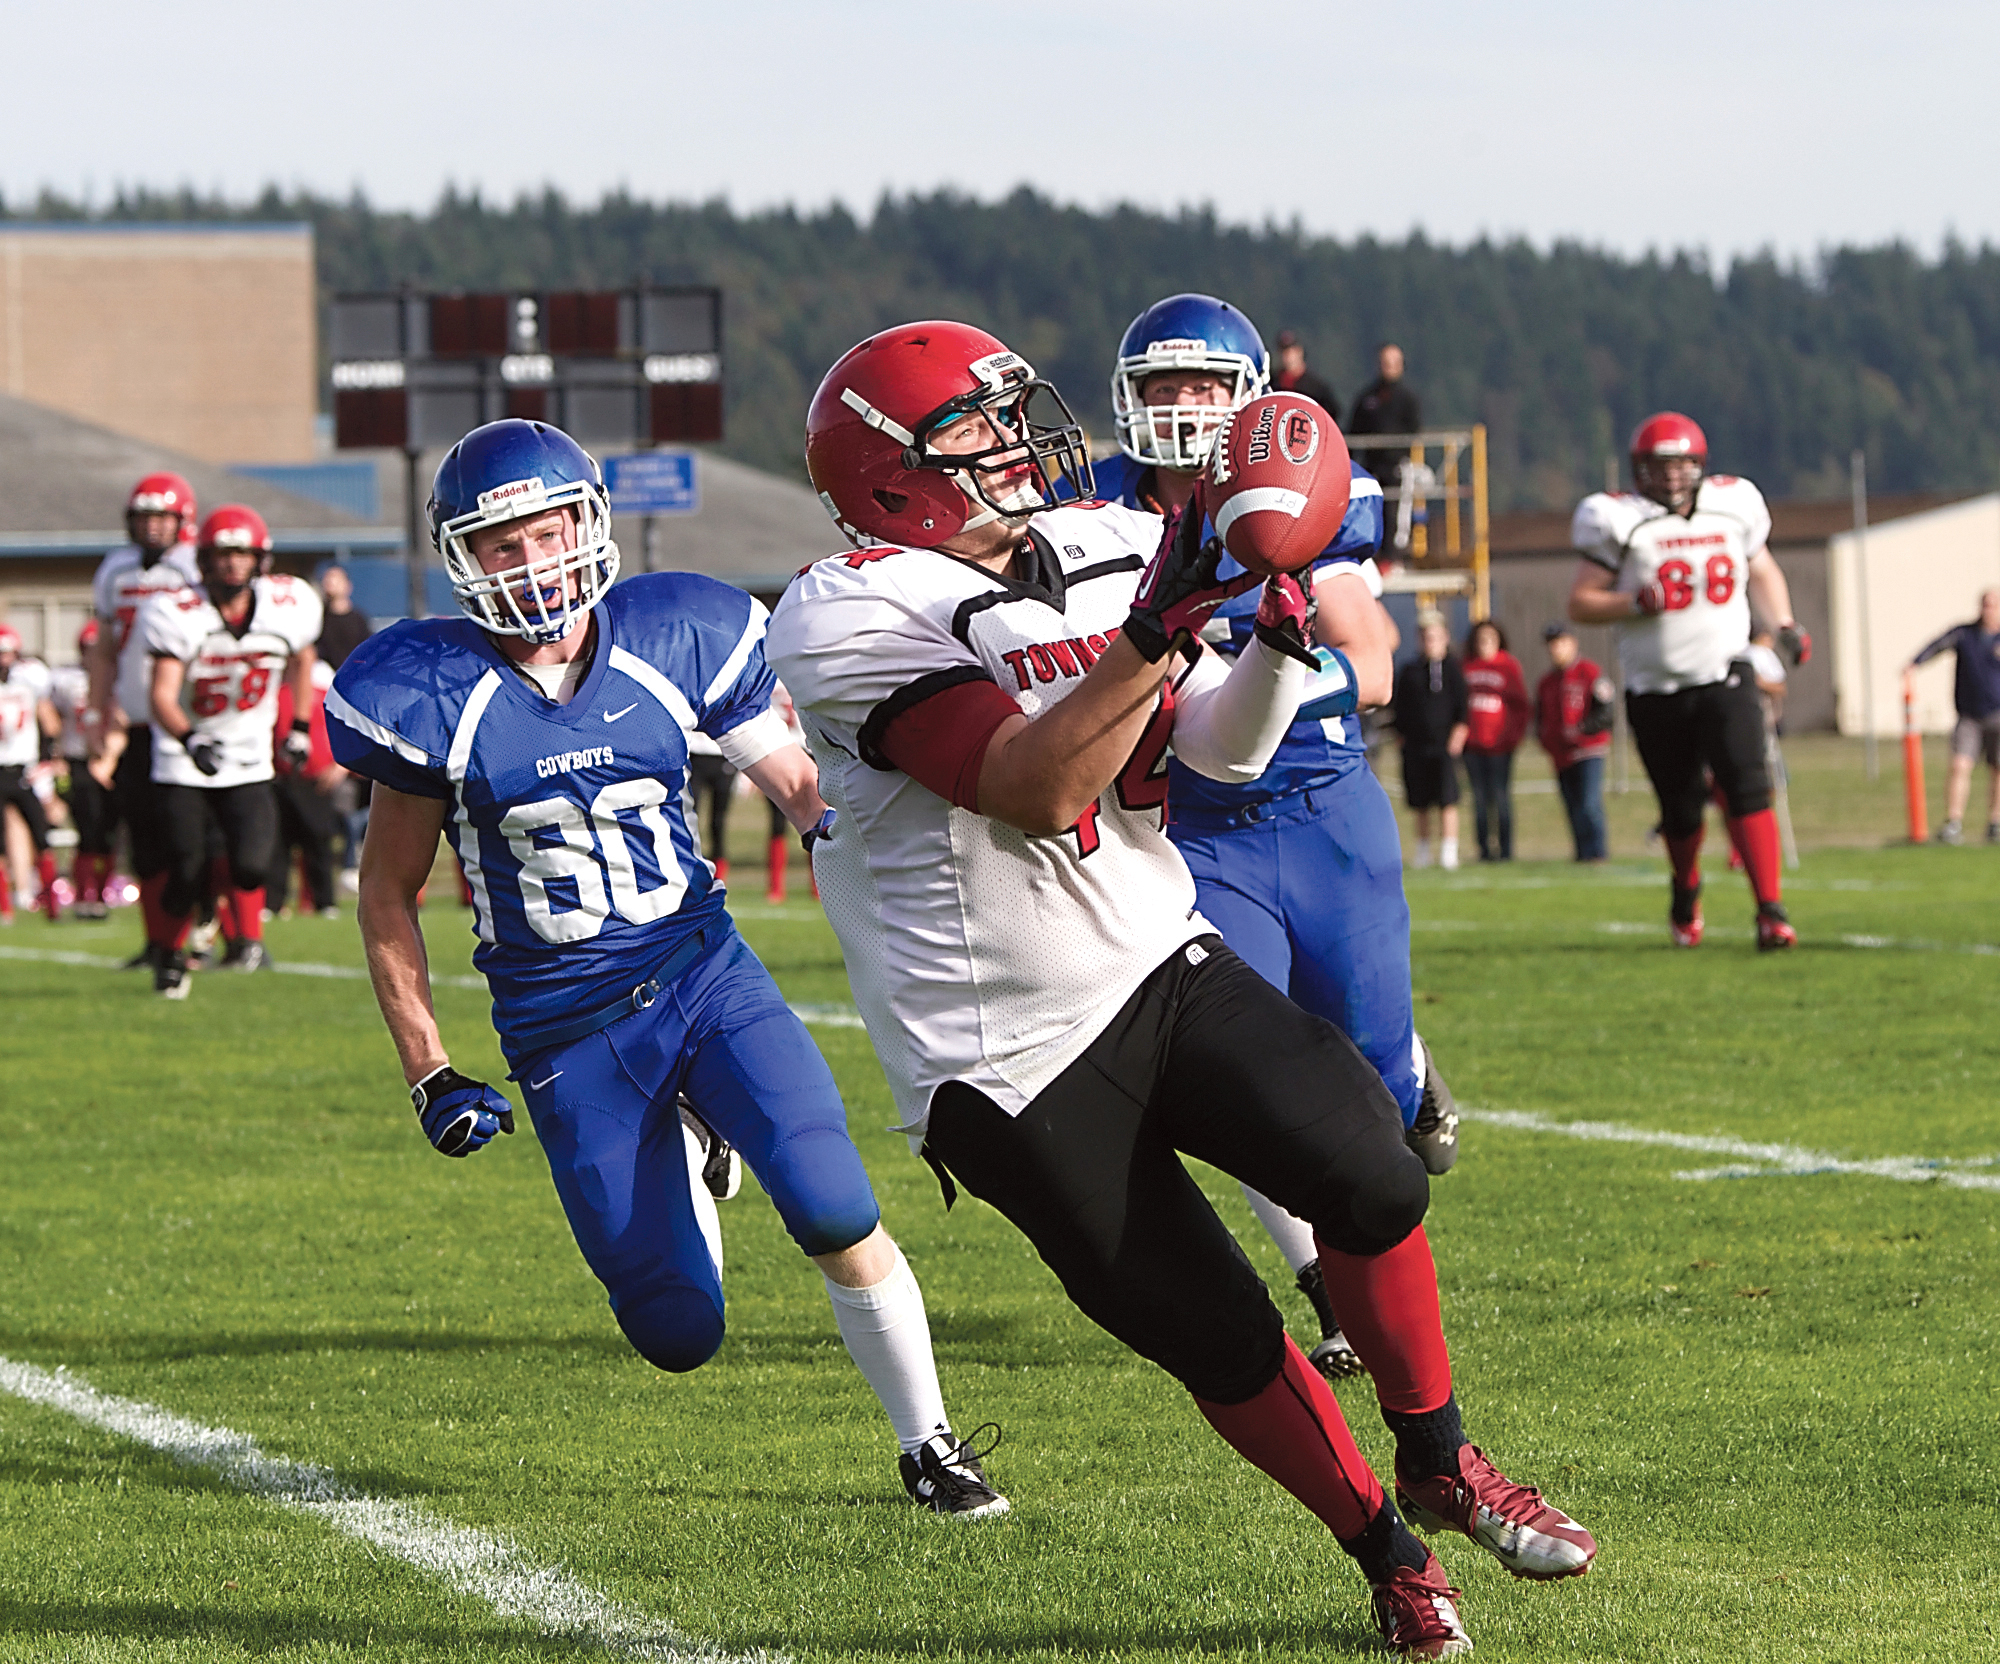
pixel 652 482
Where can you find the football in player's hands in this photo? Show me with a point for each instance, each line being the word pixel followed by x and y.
pixel 1277 483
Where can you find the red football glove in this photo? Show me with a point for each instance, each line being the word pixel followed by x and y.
pixel 1179 588
pixel 1795 645
pixel 1286 613
pixel 1649 598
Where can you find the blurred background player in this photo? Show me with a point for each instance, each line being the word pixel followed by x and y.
pixel 547 729
pixel 89 789
pixel 219 651
pixel 1677 565
pixel 990 679
pixel 160 520
pixel 1433 712
pixel 1300 870
pixel 309 823
pixel 1976 697
pixel 27 717
pixel 1497 713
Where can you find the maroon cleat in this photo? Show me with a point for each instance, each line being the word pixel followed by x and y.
pixel 1418 1615
pixel 1511 1522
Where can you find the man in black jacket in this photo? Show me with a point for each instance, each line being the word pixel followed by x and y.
pixel 1431 715
pixel 1386 405
pixel 1976 693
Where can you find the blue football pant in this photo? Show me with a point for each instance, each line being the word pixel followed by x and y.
pixel 1312 899
pixel 604 1110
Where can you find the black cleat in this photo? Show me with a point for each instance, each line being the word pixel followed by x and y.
pixel 945 1476
pixel 247 956
pixel 1434 1134
pixel 722 1168
pixel 170 973
pixel 1333 1357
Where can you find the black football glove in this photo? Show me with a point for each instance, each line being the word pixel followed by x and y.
pixel 459 1114
pixel 1179 588
pixel 205 753
pixel 298 746
pixel 1286 614
pixel 1795 645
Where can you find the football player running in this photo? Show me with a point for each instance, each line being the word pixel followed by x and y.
pixel 27 717
pixel 990 682
pixel 219 651
pixel 1301 869
pixel 1677 565
pixel 546 734
pixel 160 519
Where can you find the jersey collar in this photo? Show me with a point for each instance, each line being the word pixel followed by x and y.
pixel 524 693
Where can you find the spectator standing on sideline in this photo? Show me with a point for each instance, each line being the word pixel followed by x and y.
pixel 1431 712
pixel 308 822
pixel 1294 377
pixel 344 628
pixel 1497 722
pixel 1573 715
pixel 1976 693
pixel 1386 405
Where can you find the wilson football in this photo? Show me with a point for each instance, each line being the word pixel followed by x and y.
pixel 1278 482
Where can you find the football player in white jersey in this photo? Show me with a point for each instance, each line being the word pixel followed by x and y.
pixel 219 651
pixel 89 778
pixel 989 683
pixel 1677 565
pixel 26 717
pixel 160 519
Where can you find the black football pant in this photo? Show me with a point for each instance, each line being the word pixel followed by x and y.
pixel 308 823
pixel 92 809
pixel 1206 1059
pixel 16 793
pixel 136 800
pixel 248 818
pixel 1684 737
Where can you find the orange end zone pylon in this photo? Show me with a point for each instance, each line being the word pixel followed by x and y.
pixel 1913 766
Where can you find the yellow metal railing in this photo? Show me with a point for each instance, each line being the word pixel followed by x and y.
pixel 1447 565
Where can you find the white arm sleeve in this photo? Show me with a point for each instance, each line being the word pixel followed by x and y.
pixel 753 741
pixel 1228 722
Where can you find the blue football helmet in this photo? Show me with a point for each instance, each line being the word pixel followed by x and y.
pixel 1183 332
pixel 505 471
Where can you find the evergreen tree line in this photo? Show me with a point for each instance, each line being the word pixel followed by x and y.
pixel 1788 367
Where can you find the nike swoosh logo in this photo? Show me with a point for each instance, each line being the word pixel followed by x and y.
pixel 613 716
pixel 537 1085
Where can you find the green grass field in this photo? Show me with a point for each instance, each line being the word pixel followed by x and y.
pixel 1775 1399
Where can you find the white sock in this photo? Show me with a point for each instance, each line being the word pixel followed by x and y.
pixel 1420 853
pixel 889 1338
pixel 1293 1236
pixel 1448 859
pixel 704 1204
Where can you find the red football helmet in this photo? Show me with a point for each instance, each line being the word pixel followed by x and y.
pixel 228 530
pixel 868 431
pixel 162 494
pixel 1663 439
pixel 86 638
pixel 10 640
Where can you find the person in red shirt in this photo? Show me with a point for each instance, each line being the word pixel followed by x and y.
pixel 1573 711
pixel 1497 705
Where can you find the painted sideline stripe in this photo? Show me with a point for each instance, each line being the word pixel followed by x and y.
pixel 1628 927
pixel 824 1016
pixel 475 1563
pixel 1756 1161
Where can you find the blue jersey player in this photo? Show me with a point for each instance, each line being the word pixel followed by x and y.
pixel 1301 870
pixel 545 734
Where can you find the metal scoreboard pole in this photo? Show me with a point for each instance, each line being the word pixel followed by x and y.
pixel 1858 468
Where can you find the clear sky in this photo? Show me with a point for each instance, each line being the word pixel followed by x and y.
pixel 1790 124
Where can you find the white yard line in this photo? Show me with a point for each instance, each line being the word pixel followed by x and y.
pixel 1909 944
pixel 1757 1161
pixel 823 1016
pixel 475 1563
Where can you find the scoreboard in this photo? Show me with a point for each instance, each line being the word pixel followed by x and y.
pixel 415 371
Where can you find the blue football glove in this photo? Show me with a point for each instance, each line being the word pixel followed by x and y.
pixel 460 1115
pixel 821 831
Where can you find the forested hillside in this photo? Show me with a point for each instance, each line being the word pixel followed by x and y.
pixel 1558 352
